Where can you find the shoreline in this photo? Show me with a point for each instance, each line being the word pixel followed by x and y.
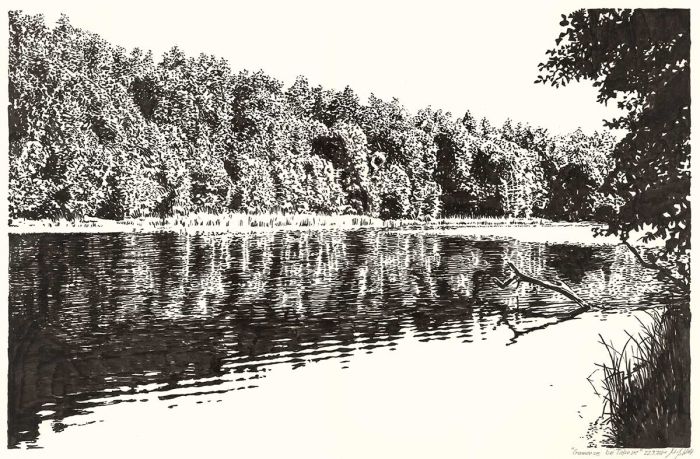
pixel 239 222
pixel 522 229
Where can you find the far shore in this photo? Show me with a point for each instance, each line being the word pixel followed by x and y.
pixel 236 222
pixel 524 229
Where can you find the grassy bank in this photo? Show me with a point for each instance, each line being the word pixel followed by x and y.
pixel 244 222
pixel 647 384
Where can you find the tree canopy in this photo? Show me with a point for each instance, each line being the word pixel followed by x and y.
pixel 96 130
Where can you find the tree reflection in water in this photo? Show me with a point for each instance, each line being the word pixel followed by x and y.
pixel 95 315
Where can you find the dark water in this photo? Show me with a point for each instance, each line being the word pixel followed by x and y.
pixel 93 316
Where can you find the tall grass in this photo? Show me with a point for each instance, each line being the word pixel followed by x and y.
pixel 647 383
pixel 238 221
pixel 203 221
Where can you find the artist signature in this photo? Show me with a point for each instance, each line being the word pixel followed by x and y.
pixel 666 453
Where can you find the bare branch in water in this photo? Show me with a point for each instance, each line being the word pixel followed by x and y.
pixel 556 286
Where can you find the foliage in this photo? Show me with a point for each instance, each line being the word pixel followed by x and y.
pixel 98 131
pixel 641 59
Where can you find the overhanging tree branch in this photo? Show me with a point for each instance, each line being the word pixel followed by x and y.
pixel 661 269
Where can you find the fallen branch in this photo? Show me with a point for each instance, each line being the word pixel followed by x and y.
pixel 556 286
pixel 652 265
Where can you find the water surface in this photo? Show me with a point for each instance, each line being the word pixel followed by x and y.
pixel 133 320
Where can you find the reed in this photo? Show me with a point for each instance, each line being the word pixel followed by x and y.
pixel 647 384
pixel 243 221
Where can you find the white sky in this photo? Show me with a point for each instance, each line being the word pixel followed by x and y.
pixel 480 57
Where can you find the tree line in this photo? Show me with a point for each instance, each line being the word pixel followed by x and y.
pixel 99 131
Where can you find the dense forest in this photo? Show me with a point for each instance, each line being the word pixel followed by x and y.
pixel 98 131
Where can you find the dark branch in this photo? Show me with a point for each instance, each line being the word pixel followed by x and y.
pixel 652 265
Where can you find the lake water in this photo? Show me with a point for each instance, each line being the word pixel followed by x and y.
pixel 399 339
